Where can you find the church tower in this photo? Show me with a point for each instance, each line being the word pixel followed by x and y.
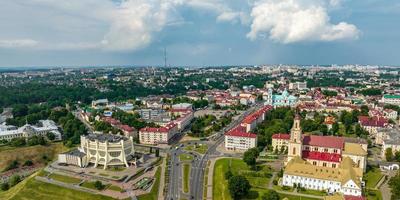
pixel 295 143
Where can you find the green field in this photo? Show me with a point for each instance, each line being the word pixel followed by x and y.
pixel 115 188
pixel 185 157
pixel 373 194
pixel 200 148
pixel 65 179
pixel 258 179
pixel 153 195
pixel 90 185
pixel 372 177
pixel 186 172
pixel 31 189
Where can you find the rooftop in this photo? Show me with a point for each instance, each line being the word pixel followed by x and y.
pixel 105 137
pixel 324 141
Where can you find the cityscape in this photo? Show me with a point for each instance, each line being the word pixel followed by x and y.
pixel 199 100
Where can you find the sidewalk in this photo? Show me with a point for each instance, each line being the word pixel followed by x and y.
pixel 162 180
pixel 210 179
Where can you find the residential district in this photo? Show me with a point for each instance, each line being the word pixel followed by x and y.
pixel 243 132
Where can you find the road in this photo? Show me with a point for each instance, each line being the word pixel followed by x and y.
pixel 199 166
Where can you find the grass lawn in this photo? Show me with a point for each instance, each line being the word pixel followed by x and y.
pixel 186 170
pixel 154 190
pixel 90 185
pixel 372 177
pixel 65 179
pixel 314 192
pixel 200 148
pixel 257 194
pixel 185 157
pixel 31 189
pixel 258 179
pixel 115 188
pixel 33 153
pixel 373 194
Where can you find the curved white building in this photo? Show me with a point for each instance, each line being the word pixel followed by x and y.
pixel 107 149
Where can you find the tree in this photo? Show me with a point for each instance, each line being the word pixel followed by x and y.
pixel 4 186
pixel 238 186
pixel 389 154
pixel 394 184
pixel 99 185
pixel 28 163
pixel 228 174
pixel 397 156
pixel 250 157
pixel 335 128
pixel 50 136
pixel 13 165
pixel 14 180
pixel 270 195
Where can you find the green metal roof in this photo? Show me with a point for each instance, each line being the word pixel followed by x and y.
pixel 388 96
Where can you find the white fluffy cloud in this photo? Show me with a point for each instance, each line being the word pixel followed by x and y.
pixel 17 43
pixel 290 21
pixel 133 24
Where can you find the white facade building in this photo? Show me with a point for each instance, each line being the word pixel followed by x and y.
pixel 44 127
pixel 107 149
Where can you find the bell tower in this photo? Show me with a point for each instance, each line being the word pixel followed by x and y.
pixel 295 143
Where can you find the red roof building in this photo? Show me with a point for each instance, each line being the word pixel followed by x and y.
pixel 324 141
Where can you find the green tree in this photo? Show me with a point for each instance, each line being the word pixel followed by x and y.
pixel 250 157
pixel 238 186
pixel 394 184
pixel 389 154
pixel 4 186
pixel 28 163
pixel 50 136
pixel 228 174
pixel 270 195
pixel 99 185
pixel 14 180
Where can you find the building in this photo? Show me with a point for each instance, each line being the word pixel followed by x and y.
pixel 73 157
pixel 298 86
pixel 240 138
pixel 345 179
pixel 100 104
pixel 107 150
pixel 150 114
pixel 390 139
pixel 276 100
pixel 182 106
pixel 42 129
pixel 163 135
pixel 371 124
pixel 280 142
pixel 324 151
pixel 390 114
pixel 391 99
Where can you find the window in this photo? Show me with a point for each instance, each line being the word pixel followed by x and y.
pixel 294 150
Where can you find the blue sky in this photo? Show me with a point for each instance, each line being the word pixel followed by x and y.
pixel 198 32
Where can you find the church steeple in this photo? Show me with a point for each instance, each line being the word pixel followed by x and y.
pixel 295 143
pixel 295 132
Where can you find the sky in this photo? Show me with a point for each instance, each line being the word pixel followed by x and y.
pixel 198 32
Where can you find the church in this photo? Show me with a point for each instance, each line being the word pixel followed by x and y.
pixel 276 100
pixel 329 163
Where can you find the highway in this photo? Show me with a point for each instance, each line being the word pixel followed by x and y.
pixel 198 167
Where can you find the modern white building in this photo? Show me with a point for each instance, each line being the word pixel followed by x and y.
pixel 74 157
pixel 107 150
pixel 43 127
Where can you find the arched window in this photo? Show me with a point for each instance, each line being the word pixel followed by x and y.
pixel 294 150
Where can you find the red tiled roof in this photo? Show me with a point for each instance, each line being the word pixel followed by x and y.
pixel 240 131
pixel 348 197
pixel 283 136
pixel 164 129
pixel 372 121
pixel 315 155
pixel 254 116
pixel 324 141
pixel 126 128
